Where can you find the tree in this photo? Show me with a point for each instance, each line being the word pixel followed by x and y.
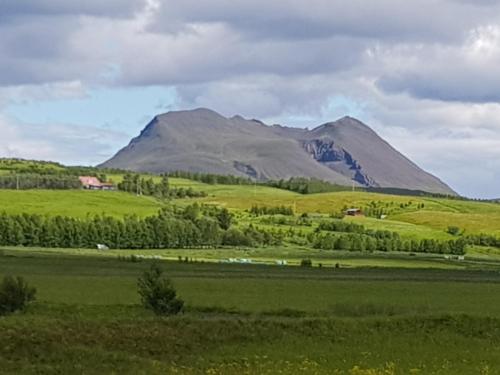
pixel 224 218
pixel 306 263
pixel 235 237
pixel 157 292
pixel 15 295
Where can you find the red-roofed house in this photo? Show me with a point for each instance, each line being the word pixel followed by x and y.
pixel 93 183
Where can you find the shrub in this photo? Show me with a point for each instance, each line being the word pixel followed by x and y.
pixel 235 237
pixel 157 292
pixel 306 263
pixel 15 295
pixel 453 230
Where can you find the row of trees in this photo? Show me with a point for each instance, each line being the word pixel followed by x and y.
pixel 304 185
pixel 277 210
pixel 361 242
pixel 212 179
pixel 360 238
pixel 348 227
pixel 39 181
pixel 189 227
pixel 482 240
pixel 22 166
pixel 134 183
pixel 341 226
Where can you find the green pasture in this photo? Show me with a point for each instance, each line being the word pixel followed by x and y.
pixel 293 255
pixel 433 219
pixel 430 222
pixel 487 222
pixel 76 203
pixel 247 319
pixel 70 279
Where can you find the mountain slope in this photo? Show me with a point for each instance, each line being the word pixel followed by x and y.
pixel 342 152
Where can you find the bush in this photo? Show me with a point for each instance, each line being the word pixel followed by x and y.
pixel 235 237
pixel 306 263
pixel 157 292
pixel 453 230
pixel 15 295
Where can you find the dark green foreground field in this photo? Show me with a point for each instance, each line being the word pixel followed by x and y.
pixel 251 319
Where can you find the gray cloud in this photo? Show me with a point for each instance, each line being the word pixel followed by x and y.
pixel 469 72
pixel 292 19
pixel 100 8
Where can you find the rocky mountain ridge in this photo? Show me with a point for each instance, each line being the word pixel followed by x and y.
pixel 344 152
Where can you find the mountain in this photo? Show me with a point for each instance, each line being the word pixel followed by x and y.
pixel 343 152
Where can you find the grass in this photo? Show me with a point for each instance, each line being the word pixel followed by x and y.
pixel 251 346
pixel 76 203
pixel 292 254
pixel 379 313
pixel 437 215
pixel 432 221
pixel 253 288
pixel 252 319
pixel 487 222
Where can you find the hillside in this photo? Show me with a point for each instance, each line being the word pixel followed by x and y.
pixel 343 152
pixel 76 203
pixel 432 220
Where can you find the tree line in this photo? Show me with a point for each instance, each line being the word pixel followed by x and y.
pixel 276 210
pixel 360 238
pixel 192 226
pixel 134 183
pixel 483 240
pixel 209 178
pixel 304 185
pixel 363 242
pixel 39 181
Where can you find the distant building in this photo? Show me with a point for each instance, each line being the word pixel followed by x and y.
pixel 93 183
pixel 354 212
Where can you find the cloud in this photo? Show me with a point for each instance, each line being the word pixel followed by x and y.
pixel 467 73
pixel 99 8
pixel 295 19
pixel 59 142
pixel 454 157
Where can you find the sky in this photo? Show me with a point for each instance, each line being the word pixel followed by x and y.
pixel 78 79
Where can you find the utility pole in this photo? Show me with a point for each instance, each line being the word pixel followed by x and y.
pixel 17 182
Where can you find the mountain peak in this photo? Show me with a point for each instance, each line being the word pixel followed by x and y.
pixel 191 112
pixel 342 152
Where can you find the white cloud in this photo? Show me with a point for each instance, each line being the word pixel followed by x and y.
pixel 469 72
pixel 68 143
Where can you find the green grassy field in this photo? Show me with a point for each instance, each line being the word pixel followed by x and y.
pixel 360 313
pixel 76 203
pixel 252 319
pixel 433 220
pixel 437 215
pixel 479 258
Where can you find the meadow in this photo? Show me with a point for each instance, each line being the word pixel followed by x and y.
pixel 251 319
pixel 352 312
pixel 76 203
pixel 431 220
